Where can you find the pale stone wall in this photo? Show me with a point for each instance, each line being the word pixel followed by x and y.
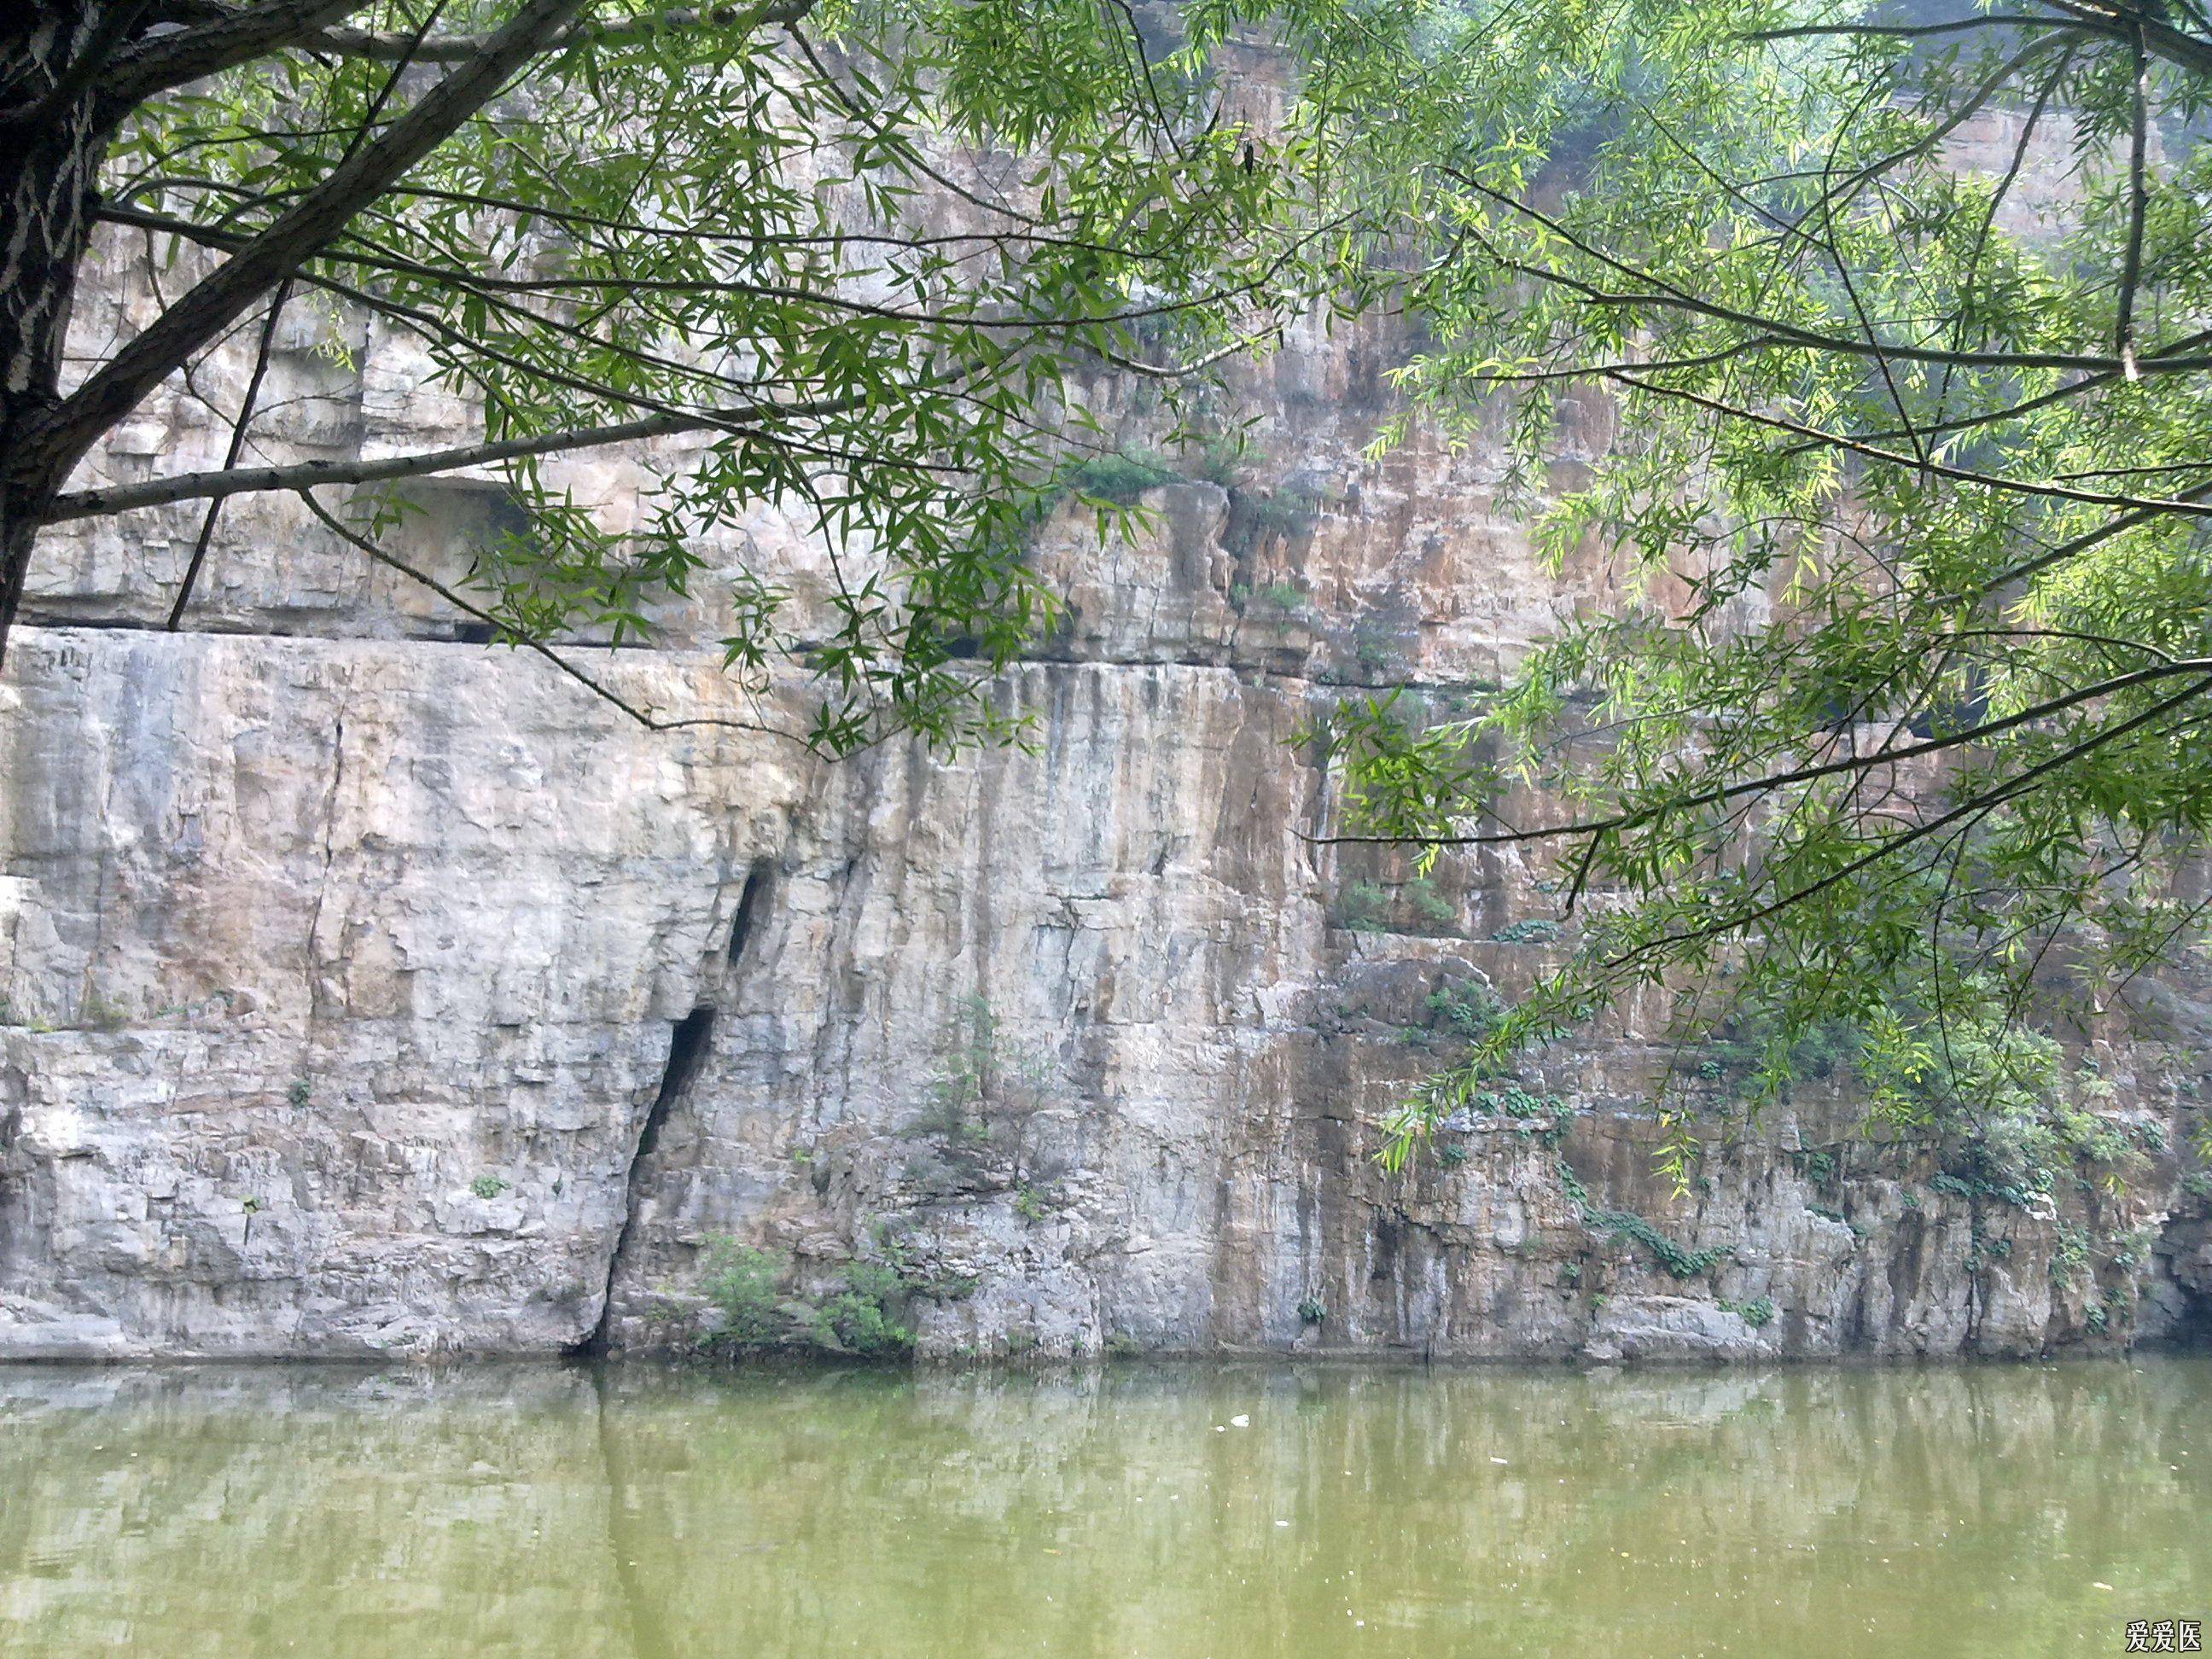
pixel 313 914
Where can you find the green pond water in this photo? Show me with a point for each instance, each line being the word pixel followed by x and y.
pixel 1138 1510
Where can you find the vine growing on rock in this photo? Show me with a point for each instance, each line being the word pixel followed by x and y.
pixel 1679 1260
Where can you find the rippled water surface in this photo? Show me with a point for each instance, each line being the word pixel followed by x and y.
pixel 1138 1511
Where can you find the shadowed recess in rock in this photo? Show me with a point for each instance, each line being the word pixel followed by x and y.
pixel 748 905
pixel 687 1051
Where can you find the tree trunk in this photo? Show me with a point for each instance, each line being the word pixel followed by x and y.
pixel 53 140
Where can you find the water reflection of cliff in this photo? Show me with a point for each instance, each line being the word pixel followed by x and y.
pixel 538 1510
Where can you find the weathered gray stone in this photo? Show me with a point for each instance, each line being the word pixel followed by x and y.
pixel 343 962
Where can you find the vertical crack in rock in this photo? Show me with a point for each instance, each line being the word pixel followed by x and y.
pixel 741 929
pixel 330 859
pixel 687 1051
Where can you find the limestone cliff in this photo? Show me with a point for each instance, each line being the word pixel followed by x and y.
pixel 371 989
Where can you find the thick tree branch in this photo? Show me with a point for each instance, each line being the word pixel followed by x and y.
pixel 82 70
pixel 235 35
pixel 221 483
pixel 54 443
pixel 2082 544
pixel 1665 296
pixel 1979 805
pixel 2160 38
pixel 369 256
pixel 2183 504
pixel 1911 31
pixel 2138 210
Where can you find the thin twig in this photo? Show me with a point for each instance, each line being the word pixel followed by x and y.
pixel 645 719
pixel 2138 210
pixel 230 456
pixel 1774 780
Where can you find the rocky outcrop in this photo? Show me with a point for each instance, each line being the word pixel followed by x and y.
pixel 369 989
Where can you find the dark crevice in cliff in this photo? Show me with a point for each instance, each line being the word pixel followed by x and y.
pixel 748 904
pixel 687 1053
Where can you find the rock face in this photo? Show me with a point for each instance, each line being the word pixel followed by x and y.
pixel 372 990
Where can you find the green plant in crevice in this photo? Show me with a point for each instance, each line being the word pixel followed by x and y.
pixel 862 1314
pixel 2132 1247
pixel 1432 912
pixel 2071 1257
pixel 490 1186
pixel 2015 1126
pixel 1469 1009
pixel 1374 646
pixel 1311 1311
pixel 300 1094
pixel 1257 516
pixel 1511 1101
pixel 1547 1117
pixel 1679 1260
pixel 897 1253
pixel 103 1013
pixel 1119 476
pixel 1452 1153
pixel 1363 907
pixel 1528 930
pixel 1751 1048
pixel 1029 1203
pixel 744 1284
pixel 985 1095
